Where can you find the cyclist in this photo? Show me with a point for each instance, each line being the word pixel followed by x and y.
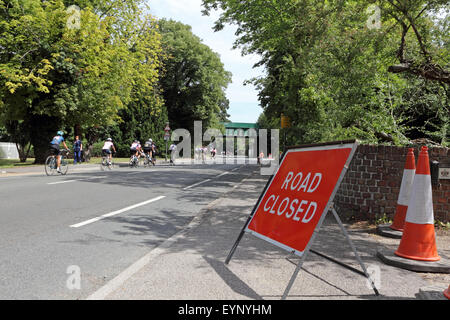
pixel 148 148
pixel 173 149
pixel 154 149
pixel 54 148
pixel 106 150
pixel 135 149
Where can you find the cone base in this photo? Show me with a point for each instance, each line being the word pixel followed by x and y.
pixel 388 257
pixel 447 293
pixel 386 231
pixel 418 243
pixel 417 257
pixel 399 218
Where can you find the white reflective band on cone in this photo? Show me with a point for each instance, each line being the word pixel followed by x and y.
pixel 420 206
pixel 406 186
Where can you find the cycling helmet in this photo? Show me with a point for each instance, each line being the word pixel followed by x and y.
pixel 109 139
pixel 150 140
pixel 60 133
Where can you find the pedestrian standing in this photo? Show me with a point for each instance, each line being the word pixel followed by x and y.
pixel 173 149
pixel 77 148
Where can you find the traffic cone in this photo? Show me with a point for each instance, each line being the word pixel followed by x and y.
pixel 419 239
pixel 447 293
pixel 405 192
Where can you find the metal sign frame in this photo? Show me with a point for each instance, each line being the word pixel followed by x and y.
pixel 353 144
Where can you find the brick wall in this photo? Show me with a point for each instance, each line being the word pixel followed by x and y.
pixel 371 186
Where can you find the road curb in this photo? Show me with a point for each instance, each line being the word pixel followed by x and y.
pixel 117 282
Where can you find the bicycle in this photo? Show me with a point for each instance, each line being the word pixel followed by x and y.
pixel 135 161
pixel 106 163
pixel 51 164
pixel 147 160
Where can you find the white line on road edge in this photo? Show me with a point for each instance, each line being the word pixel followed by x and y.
pixel 201 182
pixel 237 168
pixel 73 180
pixel 222 174
pixel 118 281
pixel 116 212
pixel 196 184
pixel 65 181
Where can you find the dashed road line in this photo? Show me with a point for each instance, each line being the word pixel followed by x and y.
pixel 140 204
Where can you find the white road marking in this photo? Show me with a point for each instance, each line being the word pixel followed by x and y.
pixel 65 181
pixel 204 181
pixel 116 212
pixel 196 184
pixel 119 280
pixel 222 174
pixel 73 180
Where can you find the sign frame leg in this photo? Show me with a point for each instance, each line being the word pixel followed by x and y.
pixel 361 263
pixel 241 234
pixel 305 253
pixel 307 249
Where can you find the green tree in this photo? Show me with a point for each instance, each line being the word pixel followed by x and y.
pixel 54 74
pixel 334 75
pixel 194 80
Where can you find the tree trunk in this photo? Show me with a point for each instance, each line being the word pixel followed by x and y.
pixel 23 151
pixel 77 131
pixel 43 129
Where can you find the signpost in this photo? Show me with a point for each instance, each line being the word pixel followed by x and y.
pixel 285 123
pixel 298 196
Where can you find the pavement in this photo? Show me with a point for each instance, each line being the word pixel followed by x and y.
pixel 190 265
pixel 188 261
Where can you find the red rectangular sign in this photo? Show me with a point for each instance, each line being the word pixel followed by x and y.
pixel 299 194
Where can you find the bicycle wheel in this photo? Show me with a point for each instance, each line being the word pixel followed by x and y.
pixel 64 166
pixel 102 164
pixel 50 165
pixel 109 164
pixel 140 162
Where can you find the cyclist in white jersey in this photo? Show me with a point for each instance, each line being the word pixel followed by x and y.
pixel 106 150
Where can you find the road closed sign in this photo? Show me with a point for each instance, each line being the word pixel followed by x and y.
pixel 299 194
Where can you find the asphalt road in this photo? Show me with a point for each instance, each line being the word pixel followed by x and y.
pixel 95 223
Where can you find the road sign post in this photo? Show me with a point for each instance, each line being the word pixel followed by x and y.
pixel 296 199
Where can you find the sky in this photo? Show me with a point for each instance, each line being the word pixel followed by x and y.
pixel 244 105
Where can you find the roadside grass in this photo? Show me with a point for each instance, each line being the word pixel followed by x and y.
pixel 12 163
pixel 98 160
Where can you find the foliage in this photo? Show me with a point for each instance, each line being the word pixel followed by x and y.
pixel 338 77
pixel 53 75
pixel 194 80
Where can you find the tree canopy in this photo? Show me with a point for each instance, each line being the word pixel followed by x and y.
pixel 61 68
pixel 341 69
pixel 193 80
pixel 105 68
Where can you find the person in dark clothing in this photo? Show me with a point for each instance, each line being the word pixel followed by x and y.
pixel 77 148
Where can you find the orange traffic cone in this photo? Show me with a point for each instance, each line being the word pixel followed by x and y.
pixel 419 239
pixel 405 191
pixel 447 293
